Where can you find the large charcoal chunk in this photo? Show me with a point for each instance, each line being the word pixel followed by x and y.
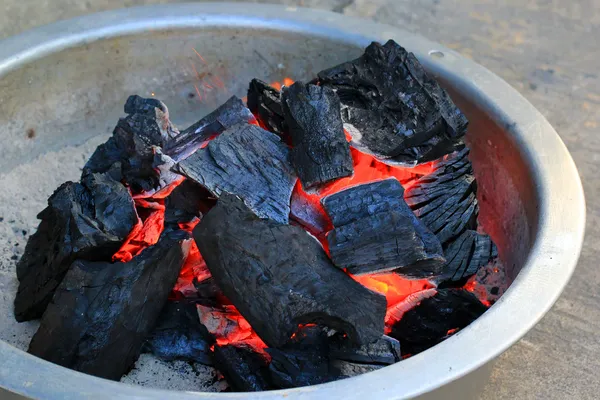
pixel 249 162
pixel 384 351
pixel 398 112
pixel 244 369
pixel 88 221
pixel 321 152
pixel 129 155
pixel 465 255
pixel 375 231
pixel 102 312
pixel 230 113
pixel 187 201
pixel 278 276
pixel 265 102
pixel 179 335
pixel 435 318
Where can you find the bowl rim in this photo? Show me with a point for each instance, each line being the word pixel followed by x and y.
pixel 554 253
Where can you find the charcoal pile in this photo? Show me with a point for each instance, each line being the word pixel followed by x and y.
pixel 326 229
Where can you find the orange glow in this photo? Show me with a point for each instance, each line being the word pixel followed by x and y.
pixel 478 290
pixel 394 287
pixel 451 331
pixel 288 81
pixel 395 312
pixel 199 56
pixel 193 267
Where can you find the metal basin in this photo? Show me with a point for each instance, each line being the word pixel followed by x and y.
pixel 69 81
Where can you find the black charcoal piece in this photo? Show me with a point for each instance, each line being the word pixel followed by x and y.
pixel 249 162
pixel 179 335
pixel 230 113
pixel 321 152
pixel 465 255
pixel 82 221
pixel 445 199
pixel 349 369
pixel 400 113
pixel 375 231
pixel 129 154
pixel 434 318
pixel 244 369
pixel 384 351
pixel 186 202
pixel 265 102
pixel 101 313
pixel 278 276
pixel 207 290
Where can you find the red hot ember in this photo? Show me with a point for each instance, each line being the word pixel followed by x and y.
pixel 323 223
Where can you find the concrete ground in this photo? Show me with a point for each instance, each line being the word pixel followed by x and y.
pixel 548 50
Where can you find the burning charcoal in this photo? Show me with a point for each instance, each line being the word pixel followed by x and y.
pixel 187 201
pixel 244 370
pixel 265 102
pixel 435 318
pixel 278 276
pixel 321 152
pixel 129 154
pixel 384 351
pixel 86 221
pixel 393 109
pixel 445 199
pixel 249 162
pixel 102 312
pixel 207 289
pixel 179 335
pixel 232 112
pixel 375 231
pixel 349 369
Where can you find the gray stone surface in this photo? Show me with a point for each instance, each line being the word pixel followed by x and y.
pixel 548 50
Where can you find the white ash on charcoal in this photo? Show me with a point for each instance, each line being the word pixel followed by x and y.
pixel 398 112
pixel 278 276
pixel 249 162
pixel 384 351
pixel 265 102
pixel 435 318
pixel 375 231
pixel 320 150
pixel 101 313
pixel 82 221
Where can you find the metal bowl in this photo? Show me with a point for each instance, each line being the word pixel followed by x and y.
pixel 71 78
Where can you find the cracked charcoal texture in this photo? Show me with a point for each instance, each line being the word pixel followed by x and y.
pixel 465 255
pixel 230 113
pixel 179 335
pixel 265 102
pixel 321 152
pixel 82 221
pixel 129 154
pixel 101 313
pixel 402 114
pixel 278 276
pixel 244 369
pixel 249 162
pixel 428 323
pixel 375 231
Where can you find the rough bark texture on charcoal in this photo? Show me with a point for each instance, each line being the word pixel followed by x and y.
pixel 265 102
pixel 401 114
pixel 385 351
pixel 82 221
pixel 101 313
pixel 465 255
pixel 321 152
pixel 249 162
pixel 434 318
pixel 278 276
pixel 179 335
pixel 129 154
pixel 375 231
pixel 244 369
pixel 230 113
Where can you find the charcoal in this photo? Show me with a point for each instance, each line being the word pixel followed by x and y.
pixel 400 113
pixel 101 313
pixel 445 200
pixel 375 231
pixel 434 318
pixel 179 335
pixel 321 152
pixel 207 289
pixel 349 369
pixel 244 369
pixel 230 113
pixel 249 162
pixel 265 102
pixel 186 202
pixel 129 154
pixel 465 255
pixel 384 351
pixel 278 276
pixel 82 221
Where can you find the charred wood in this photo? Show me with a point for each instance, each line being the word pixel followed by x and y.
pixel 244 369
pixel 265 102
